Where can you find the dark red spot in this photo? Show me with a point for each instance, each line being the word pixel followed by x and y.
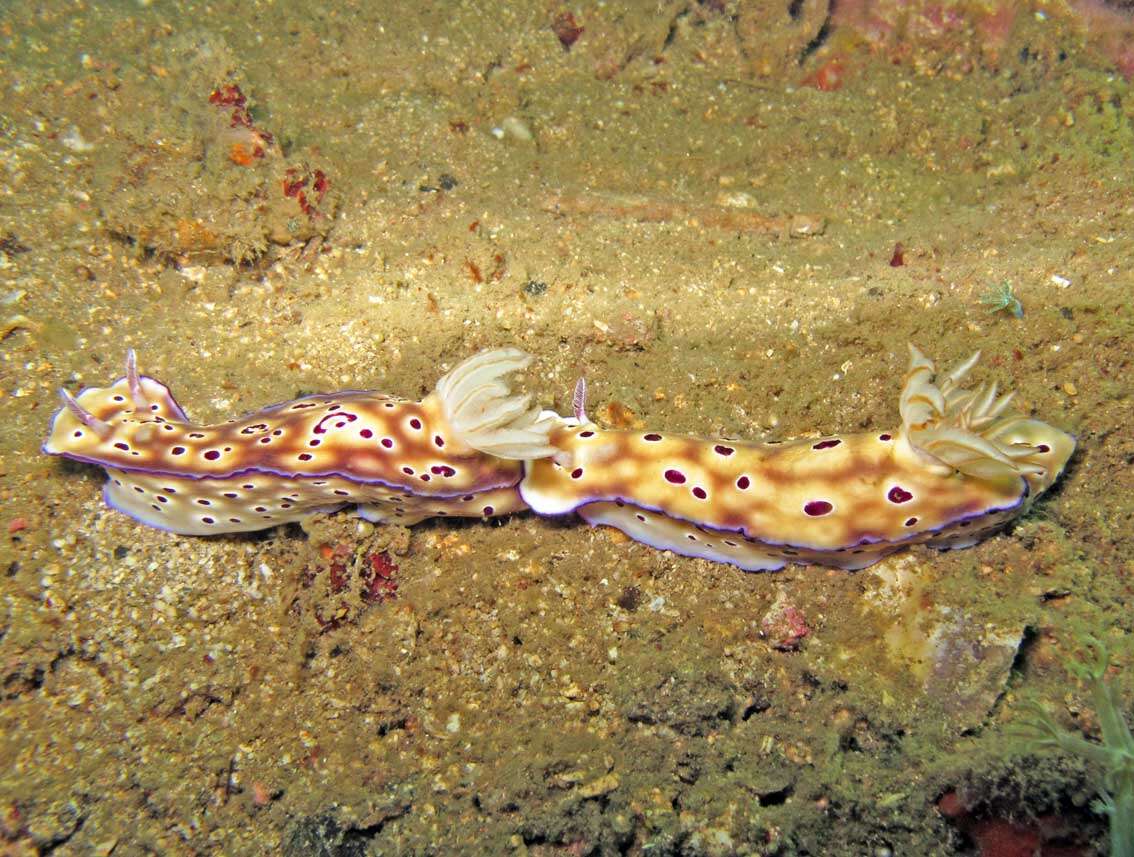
pixel 234 520
pixel 691 537
pixel 196 435
pixel 231 495
pixel 388 442
pixel 651 437
pixel 468 498
pixel 367 433
pixel 119 399
pixel 826 444
pixel 720 449
pixel 177 450
pixel 162 499
pixel 415 423
pixel 340 492
pixel 212 455
pixel 674 476
pixel 204 502
pixel 884 437
pixel 174 491
pixel 443 470
pixel 121 445
pixel 576 473
pixel 911 521
pixel 408 471
pixel 699 493
pixel 899 257
pixel 818 508
pixel 314 442
pixel 641 518
pixel 743 482
pixel 587 433
pixel 1043 447
pixel 78 433
pixel 897 494
pixel 265 440
pixel 440 441
pixel 207 521
pixel 139 489
pixel 488 510
pixel 260 509
pixel 425 477
pixel 304 456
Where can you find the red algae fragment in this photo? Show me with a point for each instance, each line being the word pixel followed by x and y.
pixel 381 585
pixel 566 29
pixel 784 625
pixel 828 77
pixel 246 142
pixel 295 181
pixel 899 257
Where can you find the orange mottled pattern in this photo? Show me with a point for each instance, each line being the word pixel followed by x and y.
pixel 822 494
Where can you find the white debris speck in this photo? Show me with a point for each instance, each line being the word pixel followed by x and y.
pixel 73 140
pixel 657 604
pixel 515 127
pixel 453 724
pixel 1060 281
pixel 736 199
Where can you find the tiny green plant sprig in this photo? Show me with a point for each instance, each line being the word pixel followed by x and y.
pixel 1112 759
pixel 1002 297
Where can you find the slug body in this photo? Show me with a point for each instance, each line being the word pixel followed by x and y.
pixel 454 453
pixel 957 470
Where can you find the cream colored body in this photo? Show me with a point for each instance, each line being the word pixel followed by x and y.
pixel 454 453
pixel 841 500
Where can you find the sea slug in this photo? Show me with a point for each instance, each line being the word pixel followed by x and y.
pixel 458 452
pixel 959 468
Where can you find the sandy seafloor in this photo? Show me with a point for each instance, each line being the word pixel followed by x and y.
pixel 671 207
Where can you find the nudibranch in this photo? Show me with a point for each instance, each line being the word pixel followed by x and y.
pixel 457 452
pixel 959 468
